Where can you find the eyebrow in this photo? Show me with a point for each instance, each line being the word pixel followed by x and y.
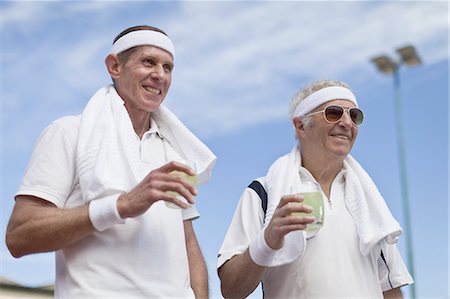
pixel 145 55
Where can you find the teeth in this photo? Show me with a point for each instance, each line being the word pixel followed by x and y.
pixel 342 137
pixel 152 90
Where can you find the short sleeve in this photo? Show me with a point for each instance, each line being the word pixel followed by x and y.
pixel 190 213
pixel 391 268
pixel 247 222
pixel 51 173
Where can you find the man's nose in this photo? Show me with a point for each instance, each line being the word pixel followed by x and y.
pixel 158 73
pixel 346 119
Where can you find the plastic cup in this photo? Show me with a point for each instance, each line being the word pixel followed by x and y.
pixel 313 198
pixel 185 176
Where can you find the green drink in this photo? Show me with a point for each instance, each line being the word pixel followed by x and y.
pixel 315 201
pixel 190 178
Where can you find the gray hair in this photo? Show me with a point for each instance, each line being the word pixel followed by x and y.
pixel 308 90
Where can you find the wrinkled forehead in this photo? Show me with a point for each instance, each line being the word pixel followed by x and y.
pixel 153 52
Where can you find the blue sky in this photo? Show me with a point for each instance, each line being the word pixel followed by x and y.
pixel 237 66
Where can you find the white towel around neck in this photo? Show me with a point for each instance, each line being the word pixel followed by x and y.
pixel 373 220
pixel 106 161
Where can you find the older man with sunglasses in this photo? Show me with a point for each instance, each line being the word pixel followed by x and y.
pixel 353 255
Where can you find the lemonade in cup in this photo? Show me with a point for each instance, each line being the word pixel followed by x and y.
pixel 313 198
pixel 190 178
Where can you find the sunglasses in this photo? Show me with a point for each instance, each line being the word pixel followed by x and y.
pixel 334 113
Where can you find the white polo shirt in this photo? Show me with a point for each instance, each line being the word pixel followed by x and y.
pixel 144 258
pixel 332 265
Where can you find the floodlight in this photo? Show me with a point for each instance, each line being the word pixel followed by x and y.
pixel 385 64
pixel 409 55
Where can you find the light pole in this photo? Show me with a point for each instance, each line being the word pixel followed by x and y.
pixel 407 56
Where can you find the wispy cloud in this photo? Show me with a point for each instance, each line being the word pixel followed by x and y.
pixel 247 58
pixel 22 13
pixel 238 61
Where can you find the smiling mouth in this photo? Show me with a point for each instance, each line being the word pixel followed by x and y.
pixel 152 90
pixel 340 136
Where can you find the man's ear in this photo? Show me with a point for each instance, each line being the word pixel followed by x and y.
pixel 298 125
pixel 113 65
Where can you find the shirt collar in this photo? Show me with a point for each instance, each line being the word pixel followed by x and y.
pixel 305 174
pixel 153 129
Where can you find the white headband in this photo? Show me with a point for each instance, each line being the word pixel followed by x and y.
pixel 142 38
pixel 322 96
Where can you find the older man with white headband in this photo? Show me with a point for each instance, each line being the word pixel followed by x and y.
pixel 106 189
pixel 347 249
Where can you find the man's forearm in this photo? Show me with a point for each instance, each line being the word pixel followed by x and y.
pixel 199 277
pixel 38 226
pixel 240 276
pixel 393 294
pixel 197 266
